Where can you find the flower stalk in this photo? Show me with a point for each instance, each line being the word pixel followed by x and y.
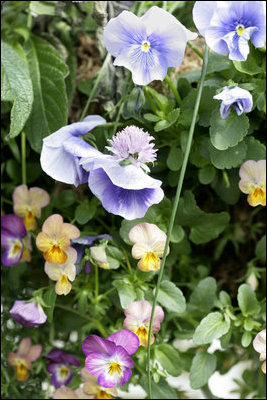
pixel 23 158
pixel 174 210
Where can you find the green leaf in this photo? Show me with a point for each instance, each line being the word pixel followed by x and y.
pixel 229 158
pixel 204 226
pixel 160 390
pixel 204 295
pixel 151 117
pixel 171 118
pixel 252 64
pixel 213 326
pixel 247 300
pixel 64 199
pixel 50 107
pixel 126 293
pixel 206 174
pixel 255 149
pixel 169 358
pixel 171 297
pixel 261 249
pixel 246 339
pixel 43 7
pixel 49 298
pixel 174 159
pixel 114 256
pixel 203 366
pixel 227 132
pixel 85 212
pixel 177 234
pixel 16 87
pixel 229 192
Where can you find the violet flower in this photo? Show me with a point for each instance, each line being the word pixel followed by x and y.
pixel 59 366
pixel 147 45
pixel 60 163
pixel 109 359
pixel 29 314
pixel 228 26
pixel 12 232
pixel 237 97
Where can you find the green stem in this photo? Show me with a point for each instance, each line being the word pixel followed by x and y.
pixel 173 89
pixel 174 209
pixel 23 158
pixel 195 49
pixel 99 75
pixel 96 282
pixel 151 101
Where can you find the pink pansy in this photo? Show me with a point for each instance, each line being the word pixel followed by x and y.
pixel 65 392
pixel 63 273
pixel 98 253
pixel 22 360
pixel 259 344
pixel 54 240
pixel 149 242
pixel 93 389
pixel 138 318
pixel 253 181
pixel 28 204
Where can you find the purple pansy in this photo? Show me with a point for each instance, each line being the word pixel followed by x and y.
pixel 58 161
pixel 59 366
pixel 237 97
pixel 117 180
pixel 229 25
pixel 147 45
pixel 110 359
pixel 12 232
pixel 29 314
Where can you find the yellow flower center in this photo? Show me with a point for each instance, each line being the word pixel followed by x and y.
pixel 55 254
pixel 15 249
pixel 145 46
pixel 240 29
pixel 114 368
pixel 257 196
pixel 142 333
pixel 150 262
pixel 21 371
pixel 102 394
pixel 29 221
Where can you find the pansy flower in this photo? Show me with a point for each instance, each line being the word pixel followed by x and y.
pixel 149 242
pixel 228 26
pixel 28 204
pixel 239 98
pixel 253 181
pixel 54 240
pixel 98 254
pixel 63 274
pixel 137 320
pixel 58 161
pixel 259 344
pixel 28 313
pixel 21 361
pixel 12 233
pixel 147 45
pixel 93 389
pixel 59 366
pixel 65 392
pixel 110 359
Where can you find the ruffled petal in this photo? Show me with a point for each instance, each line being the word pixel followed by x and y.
pixel 24 347
pixel 202 14
pixel 65 392
pixel 39 198
pixel 127 339
pixel 53 271
pixel 20 200
pixel 96 363
pixel 70 231
pixel 53 225
pixel 146 233
pixel 109 381
pixel 35 352
pixel 94 343
pixel 14 225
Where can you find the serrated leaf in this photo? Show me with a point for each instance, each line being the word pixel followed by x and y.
pixel 50 106
pixel 16 87
pixel 206 104
pixel 169 358
pixel 228 132
pixel 204 294
pixel 171 297
pixel 229 158
pixel 213 326
pixel 203 366
pixel 247 300
pixel 255 149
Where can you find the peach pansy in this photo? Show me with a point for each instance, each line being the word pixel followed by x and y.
pixel 28 204
pixel 259 344
pixel 253 181
pixel 54 240
pixel 149 242
pixel 93 389
pixel 98 253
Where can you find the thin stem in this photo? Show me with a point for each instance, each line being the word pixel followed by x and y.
pixel 96 282
pixel 195 49
pixel 151 101
pixel 173 89
pixel 23 158
pixel 174 209
pixel 99 75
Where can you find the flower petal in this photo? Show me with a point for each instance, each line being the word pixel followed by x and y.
pixel 127 339
pixel 20 200
pixel 63 286
pixel 53 271
pixel 24 347
pixel 65 392
pixel 39 198
pixel 96 363
pixel 53 225
pixel 109 381
pixel 70 231
pixel 202 14
pixel 35 352
pixel 94 343
pixel 146 233
pixel 14 225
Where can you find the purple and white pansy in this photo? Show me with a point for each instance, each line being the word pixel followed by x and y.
pixel 28 313
pixel 12 233
pixel 239 98
pixel 110 359
pixel 59 366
